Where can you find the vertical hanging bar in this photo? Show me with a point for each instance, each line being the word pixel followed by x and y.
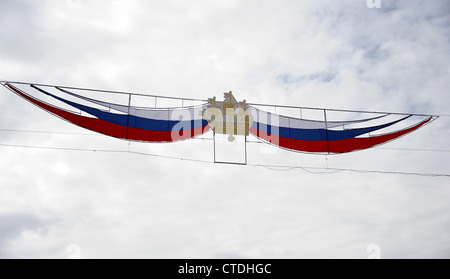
pixel 128 117
pixel 169 136
pixel 246 149
pixel 289 123
pixel 326 130
pixel 214 137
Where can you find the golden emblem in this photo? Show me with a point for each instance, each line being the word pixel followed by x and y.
pixel 228 117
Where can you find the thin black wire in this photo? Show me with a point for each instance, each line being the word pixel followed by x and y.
pixel 103 151
pixel 47 132
pixel 102 91
pixel 209 139
pixel 312 170
pixel 343 110
pixel 202 100
pixel 337 170
pixel 413 149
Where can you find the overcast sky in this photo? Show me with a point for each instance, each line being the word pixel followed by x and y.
pixel 334 54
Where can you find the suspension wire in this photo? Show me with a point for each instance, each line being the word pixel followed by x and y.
pixel 413 149
pixel 203 100
pixel 103 151
pixel 318 170
pixel 344 110
pixel 312 170
pixel 203 139
pixel 48 132
pixel 103 91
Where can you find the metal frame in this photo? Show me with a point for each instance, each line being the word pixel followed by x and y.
pixel 230 163
pixel 102 91
pixel 203 100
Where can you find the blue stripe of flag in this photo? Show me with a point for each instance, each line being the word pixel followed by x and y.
pixel 318 134
pixel 131 120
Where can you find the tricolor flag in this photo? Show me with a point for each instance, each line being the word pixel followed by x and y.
pixel 124 121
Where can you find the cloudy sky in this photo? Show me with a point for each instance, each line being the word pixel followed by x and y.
pixel 333 54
